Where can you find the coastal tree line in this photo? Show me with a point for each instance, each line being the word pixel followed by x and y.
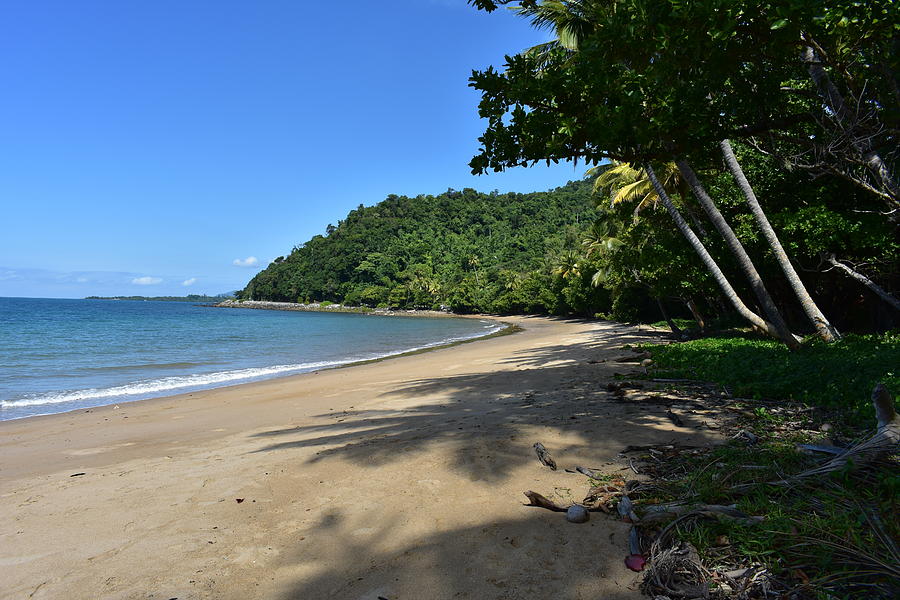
pixel 745 160
pixel 652 84
pixel 463 250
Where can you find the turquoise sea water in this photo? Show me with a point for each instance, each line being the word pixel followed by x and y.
pixel 61 355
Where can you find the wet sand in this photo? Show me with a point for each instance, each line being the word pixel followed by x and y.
pixel 400 479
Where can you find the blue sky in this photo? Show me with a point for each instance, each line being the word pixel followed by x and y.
pixel 176 147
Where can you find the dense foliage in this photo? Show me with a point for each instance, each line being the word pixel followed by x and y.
pixel 655 83
pixel 539 252
pixel 814 218
pixel 809 84
pixel 465 250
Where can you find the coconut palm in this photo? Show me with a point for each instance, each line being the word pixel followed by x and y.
pixel 568 264
pixel 758 322
pixel 825 329
pixel 629 184
pixel 572 21
pixel 601 240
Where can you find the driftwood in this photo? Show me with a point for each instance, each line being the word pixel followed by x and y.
pixel 535 499
pixel 633 358
pixel 544 456
pixel 664 512
pixel 597 499
pixel 660 448
pixel 888 420
pixel 885 441
pixel 600 496
pixel 676 420
pixel 625 508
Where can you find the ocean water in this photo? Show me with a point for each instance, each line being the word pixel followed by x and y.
pixel 62 355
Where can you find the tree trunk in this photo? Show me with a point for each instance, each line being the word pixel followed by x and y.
pixel 823 327
pixel 758 322
pixel 692 306
pixel 665 315
pixel 865 281
pixel 756 282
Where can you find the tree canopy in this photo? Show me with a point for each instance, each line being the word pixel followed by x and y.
pixel 465 250
pixel 653 79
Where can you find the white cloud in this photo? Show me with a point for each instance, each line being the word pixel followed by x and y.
pixel 146 280
pixel 250 261
pixel 82 280
pixel 190 281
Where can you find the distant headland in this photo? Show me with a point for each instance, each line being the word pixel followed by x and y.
pixel 188 298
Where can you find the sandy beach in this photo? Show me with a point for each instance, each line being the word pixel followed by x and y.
pixel 399 480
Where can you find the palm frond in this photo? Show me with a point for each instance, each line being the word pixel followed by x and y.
pixel 634 191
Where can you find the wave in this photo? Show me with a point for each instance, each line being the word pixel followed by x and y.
pixel 165 384
pixel 152 387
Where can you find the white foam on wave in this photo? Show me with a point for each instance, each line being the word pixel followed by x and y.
pixel 165 384
pixel 149 388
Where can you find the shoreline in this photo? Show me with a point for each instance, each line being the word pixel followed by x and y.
pixel 340 308
pixel 401 478
pixel 505 328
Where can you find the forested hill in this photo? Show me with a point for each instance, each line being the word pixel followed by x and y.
pixel 467 250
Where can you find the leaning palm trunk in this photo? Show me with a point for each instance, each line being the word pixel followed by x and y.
pixel 758 322
pixel 734 244
pixel 823 327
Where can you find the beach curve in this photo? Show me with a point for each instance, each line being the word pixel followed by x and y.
pixel 396 479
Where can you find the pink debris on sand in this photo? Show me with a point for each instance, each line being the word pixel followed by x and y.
pixel 635 562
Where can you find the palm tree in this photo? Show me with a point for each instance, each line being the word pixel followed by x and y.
pixel 825 330
pixel 631 180
pixel 568 264
pixel 758 322
pixel 572 22
pixel 737 249
pixel 601 240
pixel 628 183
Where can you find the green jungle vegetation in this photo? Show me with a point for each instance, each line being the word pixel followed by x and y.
pixel 470 251
pixel 573 251
pixel 743 192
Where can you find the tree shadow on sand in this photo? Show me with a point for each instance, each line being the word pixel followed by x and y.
pixel 509 404
pixel 484 421
pixel 535 556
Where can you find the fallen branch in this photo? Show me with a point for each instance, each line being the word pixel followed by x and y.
pixel 676 420
pixel 874 287
pixel 535 499
pixel 885 441
pixel 665 512
pixel 633 358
